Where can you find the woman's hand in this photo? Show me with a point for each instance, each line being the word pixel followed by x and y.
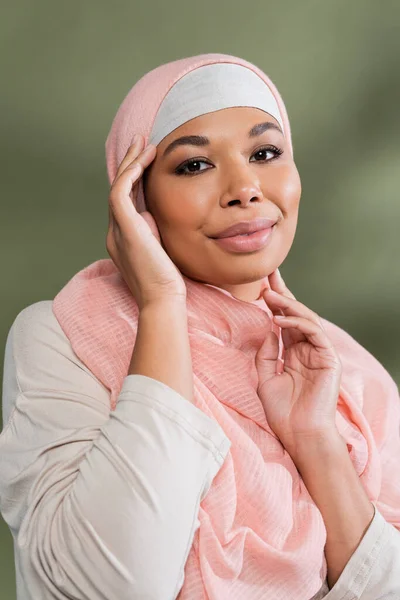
pixel 299 403
pixel 133 239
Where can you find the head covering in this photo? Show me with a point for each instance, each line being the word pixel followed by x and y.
pixel 268 541
pixel 210 88
pixel 155 96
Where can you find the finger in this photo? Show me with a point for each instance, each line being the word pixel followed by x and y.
pixel 291 336
pixel 280 286
pixel 130 176
pixel 120 201
pixel 267 357
pixel 289 306
pixel 120 204
pixel 133 151
pixel 110 216
pixel 312 332
pixel 280 305
pixel 277 284
pixel 143 158
pixel 112 223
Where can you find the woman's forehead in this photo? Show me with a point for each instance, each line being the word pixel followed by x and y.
pixel 240 120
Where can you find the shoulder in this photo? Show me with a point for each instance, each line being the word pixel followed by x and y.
pixel 34 326
pixel 36 337
pixel 38 356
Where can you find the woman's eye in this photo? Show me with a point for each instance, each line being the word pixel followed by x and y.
pixel 265 154
pixel 191 166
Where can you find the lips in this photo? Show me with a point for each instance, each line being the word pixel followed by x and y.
pixel 245 227
pixel 246 243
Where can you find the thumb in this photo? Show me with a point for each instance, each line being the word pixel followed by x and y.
pixel 267 357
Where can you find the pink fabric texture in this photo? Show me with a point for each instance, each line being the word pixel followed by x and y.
pixel 261 536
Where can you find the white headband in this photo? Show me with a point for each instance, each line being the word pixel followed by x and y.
pixel 210 88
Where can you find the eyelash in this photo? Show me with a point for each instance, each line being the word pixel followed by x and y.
pixel 179 170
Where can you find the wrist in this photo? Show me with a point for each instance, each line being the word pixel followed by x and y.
pixel 316 446
pixel 166 303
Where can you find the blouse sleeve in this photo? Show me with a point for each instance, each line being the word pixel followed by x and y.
pixel 373 571
pixel 101 504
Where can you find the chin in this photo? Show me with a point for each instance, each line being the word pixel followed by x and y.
pixel 250 275
pixel 215 274
pixel 236 279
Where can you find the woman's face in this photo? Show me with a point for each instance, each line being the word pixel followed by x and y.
pixel 198 189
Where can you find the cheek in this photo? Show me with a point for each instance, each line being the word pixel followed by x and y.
pixel 182 207
pixel 283 186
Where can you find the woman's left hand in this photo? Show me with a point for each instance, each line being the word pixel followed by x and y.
pixel 301 401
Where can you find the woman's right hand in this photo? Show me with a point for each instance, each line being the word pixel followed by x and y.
pixel 133 239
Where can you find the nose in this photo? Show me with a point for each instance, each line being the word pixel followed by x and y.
pixel 243 188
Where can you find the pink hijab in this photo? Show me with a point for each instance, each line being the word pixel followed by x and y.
pixel 261 536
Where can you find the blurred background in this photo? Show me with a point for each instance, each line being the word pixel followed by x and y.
pixel 66 67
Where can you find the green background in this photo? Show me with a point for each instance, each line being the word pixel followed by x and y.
pixel 66 67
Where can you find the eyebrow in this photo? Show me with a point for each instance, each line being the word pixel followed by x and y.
pixel 201 140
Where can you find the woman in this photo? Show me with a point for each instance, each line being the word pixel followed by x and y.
pixel 177 423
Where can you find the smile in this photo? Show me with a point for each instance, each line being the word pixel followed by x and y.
pixel 247 242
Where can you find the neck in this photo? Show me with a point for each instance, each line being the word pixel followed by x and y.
pixel 248 292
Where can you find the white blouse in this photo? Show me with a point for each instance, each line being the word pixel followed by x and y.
pixel 103 504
